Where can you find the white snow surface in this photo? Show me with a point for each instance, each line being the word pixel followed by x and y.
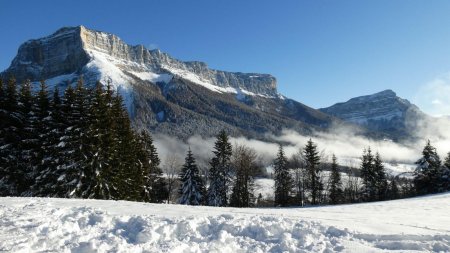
pixel 192 77
pixel 74 225
pixel 153 77
pixel 265 187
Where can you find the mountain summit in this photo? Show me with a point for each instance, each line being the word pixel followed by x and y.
pixel 82 49
pixel 162 93
pixel 383 111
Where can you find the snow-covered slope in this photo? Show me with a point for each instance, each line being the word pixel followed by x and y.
pixel 68 225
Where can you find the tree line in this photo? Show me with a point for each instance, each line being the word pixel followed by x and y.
pixel 305 178
pixel 81 144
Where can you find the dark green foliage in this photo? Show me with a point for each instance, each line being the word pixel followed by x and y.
pixel 283 180
pixel 428 176
pixel 312 161
pixel 192 189
pixel 393 190
pixel 10 140
pixel 80 146
pixel 219 173
pixel 49 169
pixel 381 183
pixel 368 176
pixel 44 127
pixel 155 189
pixel 336 194
pixel 374 179
pixel 445 175
pixel 245 167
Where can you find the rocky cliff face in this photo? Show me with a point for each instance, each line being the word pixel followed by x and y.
pixel 71 48
pixel 54 55
pixel 383 111
pixel 162 93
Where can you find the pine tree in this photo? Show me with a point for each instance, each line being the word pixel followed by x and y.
pixel 393 190
pixel 10 141
pixel 26 167
pixel 3 121
pixel 130 174
pixel 47 180
pixel 312 161
pixel 75 176
pixel 43 123
pixel 445 175
pixel 98 148
pixel 283 180
pixel 368 175
pixel 219 173
pixel 2 98
pixel 244 164
pixel 380 182
pixel 336 194
pixel 155 186
pixel 192 190
pixel 427 174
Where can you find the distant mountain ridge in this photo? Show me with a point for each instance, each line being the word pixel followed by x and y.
pixel 383 111
pixel 164 94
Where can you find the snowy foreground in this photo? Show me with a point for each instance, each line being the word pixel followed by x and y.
pixel 67 225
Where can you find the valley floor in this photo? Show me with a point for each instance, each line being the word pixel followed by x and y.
pixel 69 225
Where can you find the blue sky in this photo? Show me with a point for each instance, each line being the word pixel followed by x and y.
pixel 321 52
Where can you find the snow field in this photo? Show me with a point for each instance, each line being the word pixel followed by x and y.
pixel 69 225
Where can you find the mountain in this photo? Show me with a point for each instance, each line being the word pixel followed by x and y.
pixel 163 94
pixel 383 112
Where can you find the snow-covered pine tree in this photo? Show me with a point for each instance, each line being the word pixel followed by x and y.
pixel 155 186
pixel 47 180
pixel 192 189
pixel 66 173
pixel 244 165
pixel 428 171
pixel 380 182
pixel 2 97
pixel 283 180
pixel 10 140
pixel 2 130
pixel 336 193
pixel 100 146
pixel 74 175
pixel 312 162
pixel 220 170
pixel 26 166
pixel 43 124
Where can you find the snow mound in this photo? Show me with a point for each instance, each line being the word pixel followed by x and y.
pixel 65 225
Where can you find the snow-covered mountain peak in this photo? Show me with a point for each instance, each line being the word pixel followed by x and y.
pixel 383 111
pixel 385 93
pixel 79 50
